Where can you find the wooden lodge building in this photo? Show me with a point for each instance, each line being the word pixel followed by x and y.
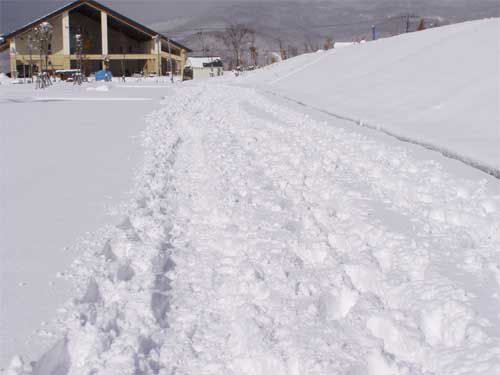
pixel 109 40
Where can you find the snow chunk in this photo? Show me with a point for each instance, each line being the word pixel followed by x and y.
pixel 16 366
pixel 398 340
pixel 334 307
pixel 378 364
pixel 446 324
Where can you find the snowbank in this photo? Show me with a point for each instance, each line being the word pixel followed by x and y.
pixel 4 79
pixel 439 88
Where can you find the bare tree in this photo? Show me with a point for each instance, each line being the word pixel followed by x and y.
pixel 292 51
pixel 254 53
pixel 421 25
pixel 310 45
pixel 282 50
pixel 306 47
pixel 234 37
pixel 43 35
pixel 328 43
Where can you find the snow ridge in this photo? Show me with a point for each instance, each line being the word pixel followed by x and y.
pixel 264 242
pixel 482 166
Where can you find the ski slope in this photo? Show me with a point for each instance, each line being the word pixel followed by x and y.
pixel 439 88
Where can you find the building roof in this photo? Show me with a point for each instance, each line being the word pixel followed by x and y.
pixel 95 4
pixel 201 62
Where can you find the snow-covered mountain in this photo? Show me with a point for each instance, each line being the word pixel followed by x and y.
pixel 300 23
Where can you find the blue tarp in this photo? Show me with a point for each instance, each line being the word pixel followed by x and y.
pixel 103 75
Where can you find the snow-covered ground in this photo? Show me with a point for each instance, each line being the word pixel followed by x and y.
pixel 67 155
pixel 439 88
pixel 267 237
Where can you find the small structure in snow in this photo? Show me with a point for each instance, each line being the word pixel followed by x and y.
pixel 343 44
pixel 203 67
pixel 103 75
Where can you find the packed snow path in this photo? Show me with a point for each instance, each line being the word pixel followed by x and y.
pixel 264 242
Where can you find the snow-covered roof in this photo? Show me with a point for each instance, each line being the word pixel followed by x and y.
pixel 199 62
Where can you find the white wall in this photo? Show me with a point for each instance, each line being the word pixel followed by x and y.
pixel 202 73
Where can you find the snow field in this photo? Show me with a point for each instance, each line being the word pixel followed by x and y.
pixel 262 242
pixel 67 158
pixel 438 88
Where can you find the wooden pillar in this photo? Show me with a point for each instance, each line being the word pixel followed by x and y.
pixel 13 58
pixel 104 33
pixel 183 61
pixel 66 40
pixel 157 55
pixel 154 46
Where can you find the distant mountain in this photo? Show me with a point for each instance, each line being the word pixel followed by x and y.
pixel 304 25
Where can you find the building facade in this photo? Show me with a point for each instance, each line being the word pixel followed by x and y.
pixel 203 67
pixel 92 36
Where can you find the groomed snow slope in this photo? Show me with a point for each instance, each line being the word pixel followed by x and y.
pixel 262 241
pixel 439 87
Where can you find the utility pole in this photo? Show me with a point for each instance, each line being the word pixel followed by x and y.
pixel 202 40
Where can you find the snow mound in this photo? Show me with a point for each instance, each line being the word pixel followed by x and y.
pixel 102 88
pixel 438 88
pixel 4 78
